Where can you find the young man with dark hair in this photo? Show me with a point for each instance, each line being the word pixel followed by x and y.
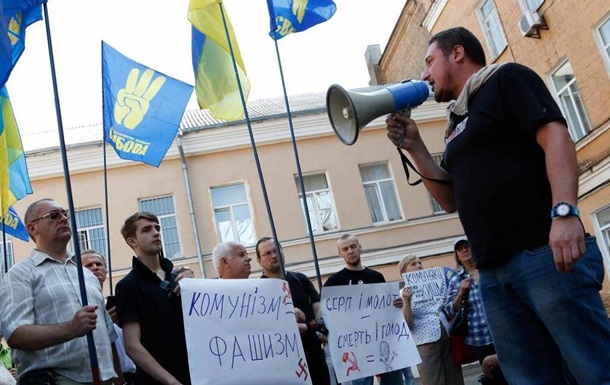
pixel 512 175
pixel 148 306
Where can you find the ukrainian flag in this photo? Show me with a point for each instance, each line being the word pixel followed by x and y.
pixel 14 177
pixel 216 84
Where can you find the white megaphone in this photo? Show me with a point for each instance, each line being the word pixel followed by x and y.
pixel 350 111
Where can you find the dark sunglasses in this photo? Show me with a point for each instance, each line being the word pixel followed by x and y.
pixel 53 215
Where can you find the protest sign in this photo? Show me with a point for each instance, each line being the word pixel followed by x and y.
pixel 242 331
pixel 368 334
pixel 429 287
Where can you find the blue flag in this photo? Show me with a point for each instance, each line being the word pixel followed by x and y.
pixel 15 17
pixel 142 107
pixel 288 16
pixel 14 226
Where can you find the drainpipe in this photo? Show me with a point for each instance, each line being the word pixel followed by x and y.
pixel 189 196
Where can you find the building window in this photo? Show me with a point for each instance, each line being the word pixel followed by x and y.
pixel 320 203
pixel 436 208
pixel 9 253
pixel 533 4
pixel 380 192
pixel 232 214
pixel 163 208
pixel 603 40
pixel 603 220
pixel 90 229
pixel 492 28
pixel 571 101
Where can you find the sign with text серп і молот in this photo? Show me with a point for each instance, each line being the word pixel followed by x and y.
pixel 368 335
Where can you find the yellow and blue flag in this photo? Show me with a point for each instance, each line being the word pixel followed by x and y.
pixel 288 16
pixel 216 83
pixel 142 107
pixel 15 17
pixel 14 226
pixel 14 177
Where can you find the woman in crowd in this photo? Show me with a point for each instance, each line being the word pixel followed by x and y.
pixel 429 328
pixel 465 284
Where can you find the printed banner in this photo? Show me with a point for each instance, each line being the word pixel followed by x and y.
pixel 142 107
pixel 14 226
pixel 242 331
pixel 368 334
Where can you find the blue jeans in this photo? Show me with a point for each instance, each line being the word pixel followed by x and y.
pixel 389 378
pixel 539 317
pixel 408 375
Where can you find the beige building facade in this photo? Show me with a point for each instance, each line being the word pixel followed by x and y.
pixel 360 189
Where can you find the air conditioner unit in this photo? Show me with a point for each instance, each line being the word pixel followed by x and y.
pixel 529 23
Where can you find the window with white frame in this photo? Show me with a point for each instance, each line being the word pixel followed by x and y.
pixel 492 28
pixel 90 229
pixel 320 203
pixel 163 208
pixel 571 101
pixel 436 208
pixel 8 248
pixel 232 214
pixel 602 35
pixel 533 4
pixel 603 220
pixel 380 192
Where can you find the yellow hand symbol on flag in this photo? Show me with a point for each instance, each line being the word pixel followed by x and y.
pixel 132 102
pixel 298 9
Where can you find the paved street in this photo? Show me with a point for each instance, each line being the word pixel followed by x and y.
pixel 471 373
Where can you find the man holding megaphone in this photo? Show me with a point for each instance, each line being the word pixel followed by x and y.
pixel 510 171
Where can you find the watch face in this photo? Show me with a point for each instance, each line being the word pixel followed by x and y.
pixel 563 210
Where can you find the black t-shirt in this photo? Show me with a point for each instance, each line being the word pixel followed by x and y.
pixel 303 294
pixel 351 277
pixel 501 188
pixel 141 298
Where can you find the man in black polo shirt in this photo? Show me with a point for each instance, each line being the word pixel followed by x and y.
pixel 304 297
pixel 149 308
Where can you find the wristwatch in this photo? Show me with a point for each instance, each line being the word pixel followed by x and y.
pixel 564 209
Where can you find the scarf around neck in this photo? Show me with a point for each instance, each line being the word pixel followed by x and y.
pixel 458 109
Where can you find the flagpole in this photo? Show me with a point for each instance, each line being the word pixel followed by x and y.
pixel 253 143
pixel 95 370
pixel 4 248
pixel 298 164
pixel 107 214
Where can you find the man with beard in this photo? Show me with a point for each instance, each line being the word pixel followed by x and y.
pixel 149 308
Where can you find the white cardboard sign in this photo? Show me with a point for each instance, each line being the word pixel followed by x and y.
pixel 368 334
pixel 242 331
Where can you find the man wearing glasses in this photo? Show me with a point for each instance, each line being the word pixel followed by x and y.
pixel 305 298
pixel 42 316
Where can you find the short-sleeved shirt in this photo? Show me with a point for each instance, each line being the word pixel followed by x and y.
pixel 140 298
pixel 44 291
pixel 501 188
pixel 352 277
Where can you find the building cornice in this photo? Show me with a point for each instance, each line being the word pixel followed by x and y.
pixel 87 157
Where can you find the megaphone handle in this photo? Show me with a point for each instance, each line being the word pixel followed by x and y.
pixel 407 114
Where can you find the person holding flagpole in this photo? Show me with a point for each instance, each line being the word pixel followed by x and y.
pixel 44 341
